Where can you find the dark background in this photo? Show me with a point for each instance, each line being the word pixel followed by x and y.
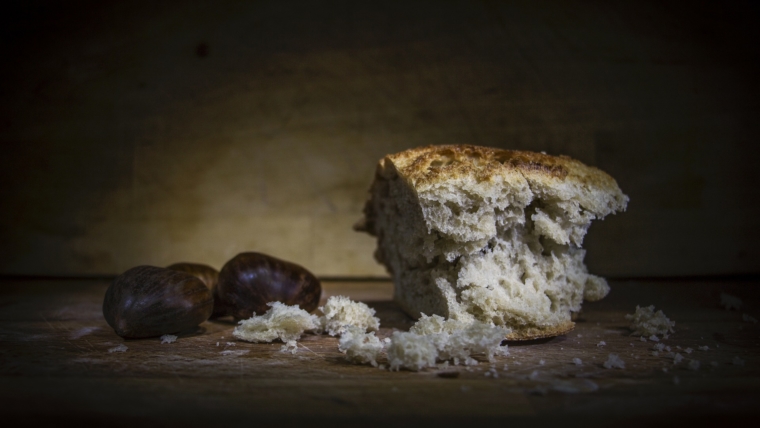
pixel 149 133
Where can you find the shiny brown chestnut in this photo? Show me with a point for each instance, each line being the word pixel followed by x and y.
pixel 205 273
pixel 251 280
pixel 148 301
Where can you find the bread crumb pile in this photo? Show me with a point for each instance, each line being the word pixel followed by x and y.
pixel 281 321
pixel 340 312
pixel 359 346
pixel 646 322
pixel 434 338
pixel 430 340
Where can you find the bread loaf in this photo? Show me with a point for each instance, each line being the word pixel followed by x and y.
pixel 477 233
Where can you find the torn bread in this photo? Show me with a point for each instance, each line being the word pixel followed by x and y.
pixel 477 233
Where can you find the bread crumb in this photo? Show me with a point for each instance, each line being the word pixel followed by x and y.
pixel 359 346
pixel 655 353
pixel 237 352
pixel 688 350
pixel 120 348
pixel 534 375
pixel 646 322
pixel 230 344
pixel 677 358
pixel 749 318
pixel 643 339
pixel 341 312
pixel 217 343
pixel 659 346
pixel 730 302
pixel 411 351
pixel 654 338
pixel 736 361
pixel 289 346
pixel 693 365
pixel 703 348
pixel 281 321
pixel 168 338
pixel 577 361
pixel 435 338
pixel 541 362
pixel 601 343
pixel 84 331
pixel 580 335
pixel 613 361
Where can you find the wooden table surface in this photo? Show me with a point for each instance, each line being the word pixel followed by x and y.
pixel 55 367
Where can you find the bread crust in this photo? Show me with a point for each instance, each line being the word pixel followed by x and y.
pixel 533 333
pixel 524 333
pixel 426 166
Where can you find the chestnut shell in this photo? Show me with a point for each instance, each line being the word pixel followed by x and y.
pixel 148 301
pixel 251 280
pixel 205 273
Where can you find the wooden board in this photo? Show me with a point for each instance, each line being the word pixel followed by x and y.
pixel 55 366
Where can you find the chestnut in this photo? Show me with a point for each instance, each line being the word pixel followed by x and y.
pixel 205 273
pixel 251 280
pixel 148 301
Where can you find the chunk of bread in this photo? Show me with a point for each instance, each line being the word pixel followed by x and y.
pixel 359 346
pixel 340 312
pixel 646 322
pixel 477 233
pixel 281 321
pixel 433 339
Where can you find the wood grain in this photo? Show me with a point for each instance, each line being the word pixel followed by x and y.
pixel 55 365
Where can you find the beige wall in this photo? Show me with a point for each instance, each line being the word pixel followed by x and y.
pixel 124 144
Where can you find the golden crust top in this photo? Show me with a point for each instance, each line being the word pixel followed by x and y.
pixel 425 166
